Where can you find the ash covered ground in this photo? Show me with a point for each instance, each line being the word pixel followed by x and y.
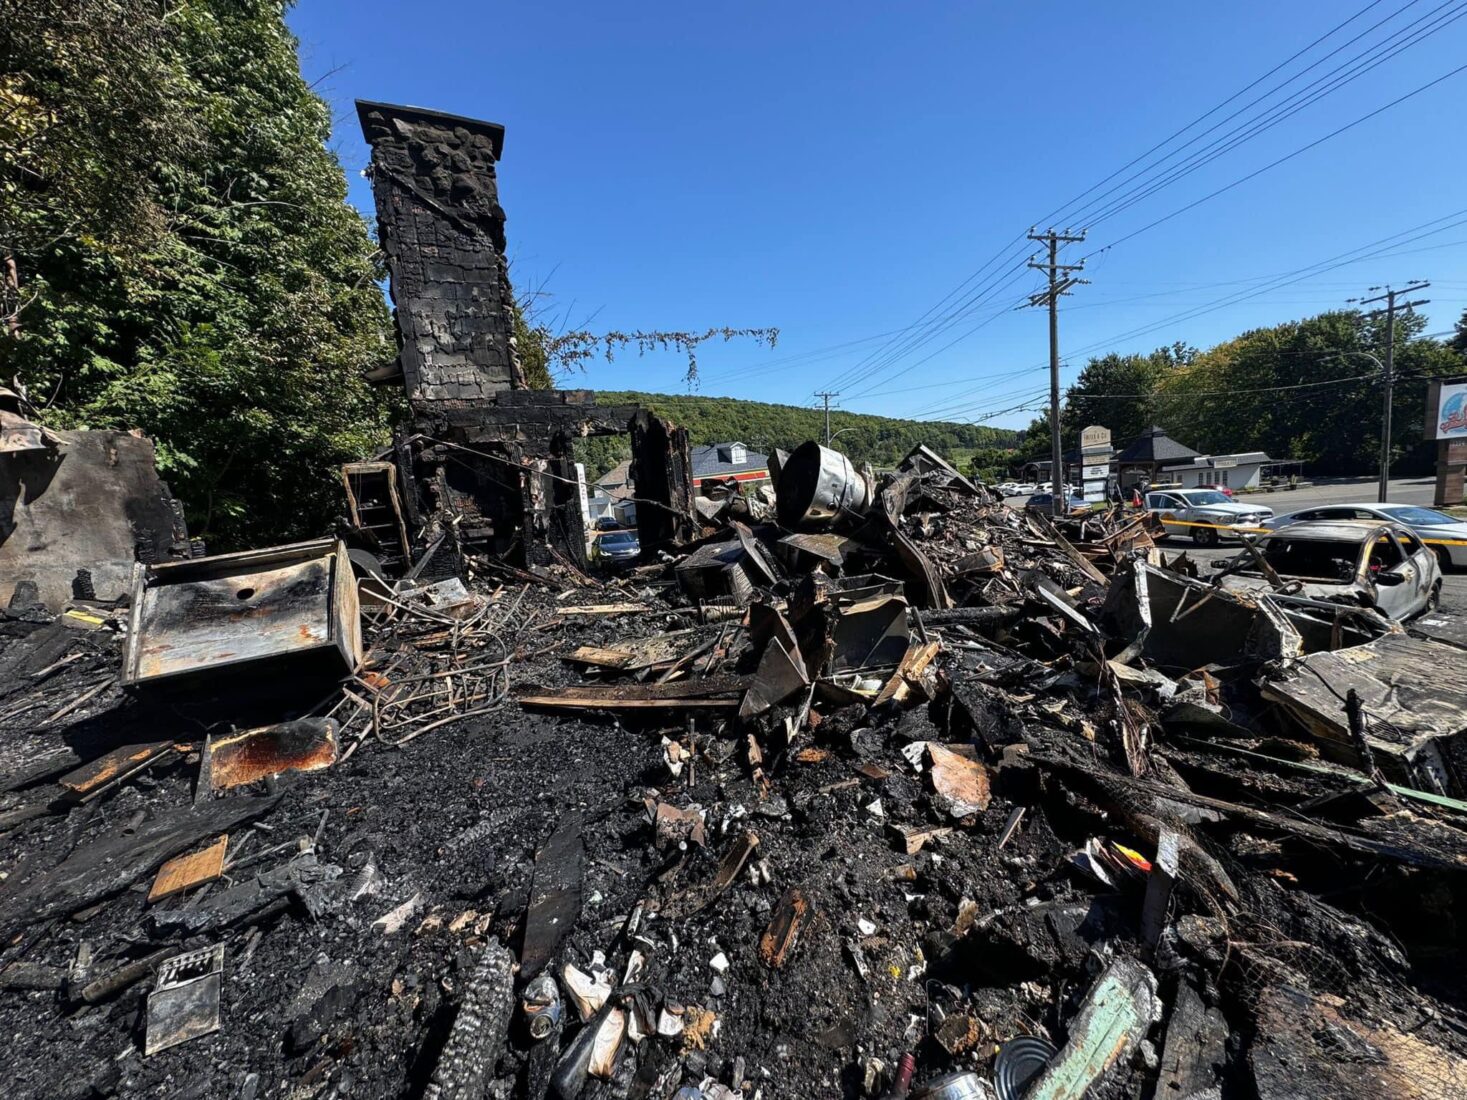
pixel 781 904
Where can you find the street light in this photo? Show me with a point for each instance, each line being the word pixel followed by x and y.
pixel 1385 423
pixel 837 435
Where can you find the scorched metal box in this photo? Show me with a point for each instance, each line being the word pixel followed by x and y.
pixel 288 611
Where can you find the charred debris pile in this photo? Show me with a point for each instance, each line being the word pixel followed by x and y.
pixel 861 788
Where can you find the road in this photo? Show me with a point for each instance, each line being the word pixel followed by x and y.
pixel 1417 490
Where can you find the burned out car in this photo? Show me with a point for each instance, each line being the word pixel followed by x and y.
pixel 1379 565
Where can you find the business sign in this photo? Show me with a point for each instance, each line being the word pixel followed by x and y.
pixel 1092 473
pixel 1094 492
pixel 1450 421
pixel 581 493
pixel 1094 438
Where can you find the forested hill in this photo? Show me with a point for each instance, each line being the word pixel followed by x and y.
pixel 879 440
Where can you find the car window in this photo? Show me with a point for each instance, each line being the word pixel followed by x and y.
pixel 1417 517
pixel 1163 500
pixel 1312 559
pixel 1409 543
pixel 1385 554
pixel 1207 496
pixel 1338 513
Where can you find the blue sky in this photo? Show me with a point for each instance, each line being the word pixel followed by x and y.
pixel 836 170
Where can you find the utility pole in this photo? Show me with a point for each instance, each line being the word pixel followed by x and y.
pixel 1389 298
pixel 1061 280
pixel 827 397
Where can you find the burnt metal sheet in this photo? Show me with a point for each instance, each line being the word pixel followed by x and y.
pixel 93 501
pixel 305 745
pixel 781 675
pixel 286 603
pixel 871 631
pixel 1415 691
pixel 185 1003
pixel 118 764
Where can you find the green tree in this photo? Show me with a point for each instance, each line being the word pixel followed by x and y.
pixel 1119 392
pixel 991 463
pixel 1307 390
pixel 878 440
pixel 235 328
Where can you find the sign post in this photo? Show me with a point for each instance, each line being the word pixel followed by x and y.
pixel 1095 462
pixel 1446 422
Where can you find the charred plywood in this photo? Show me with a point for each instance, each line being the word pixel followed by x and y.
pixel 93 504
pixel 251 615
pixel 1309 1046
pixel 1414 693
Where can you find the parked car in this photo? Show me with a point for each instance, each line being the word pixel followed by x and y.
pixel 1200 513
pixel 1223 489
pixel 618 546
pixel 1380 565
pixel 1008 488
pixel 1445 535
pixel 1040 502
pixel 608 523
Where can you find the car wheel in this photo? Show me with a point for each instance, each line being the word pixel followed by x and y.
pixel 1434 600
pixel 1444 558
pixel 1204 536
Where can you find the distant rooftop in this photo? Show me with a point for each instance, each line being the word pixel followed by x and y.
pixel 1154 445
pixel 727 460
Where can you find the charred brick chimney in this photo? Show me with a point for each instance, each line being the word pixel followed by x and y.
pixel 442 229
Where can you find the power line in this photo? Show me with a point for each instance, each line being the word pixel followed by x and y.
pixel 1060 213
pixel 890 354
pixel 1271 116
pixel 1281 160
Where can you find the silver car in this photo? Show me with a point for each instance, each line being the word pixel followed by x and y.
pixel 1379 565
pixel 1446 535
pixel 1204 515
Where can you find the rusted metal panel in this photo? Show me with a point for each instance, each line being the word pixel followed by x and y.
pixel 305 745
pixel 286 604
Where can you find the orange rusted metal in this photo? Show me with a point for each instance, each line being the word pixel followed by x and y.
pixel 305 745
